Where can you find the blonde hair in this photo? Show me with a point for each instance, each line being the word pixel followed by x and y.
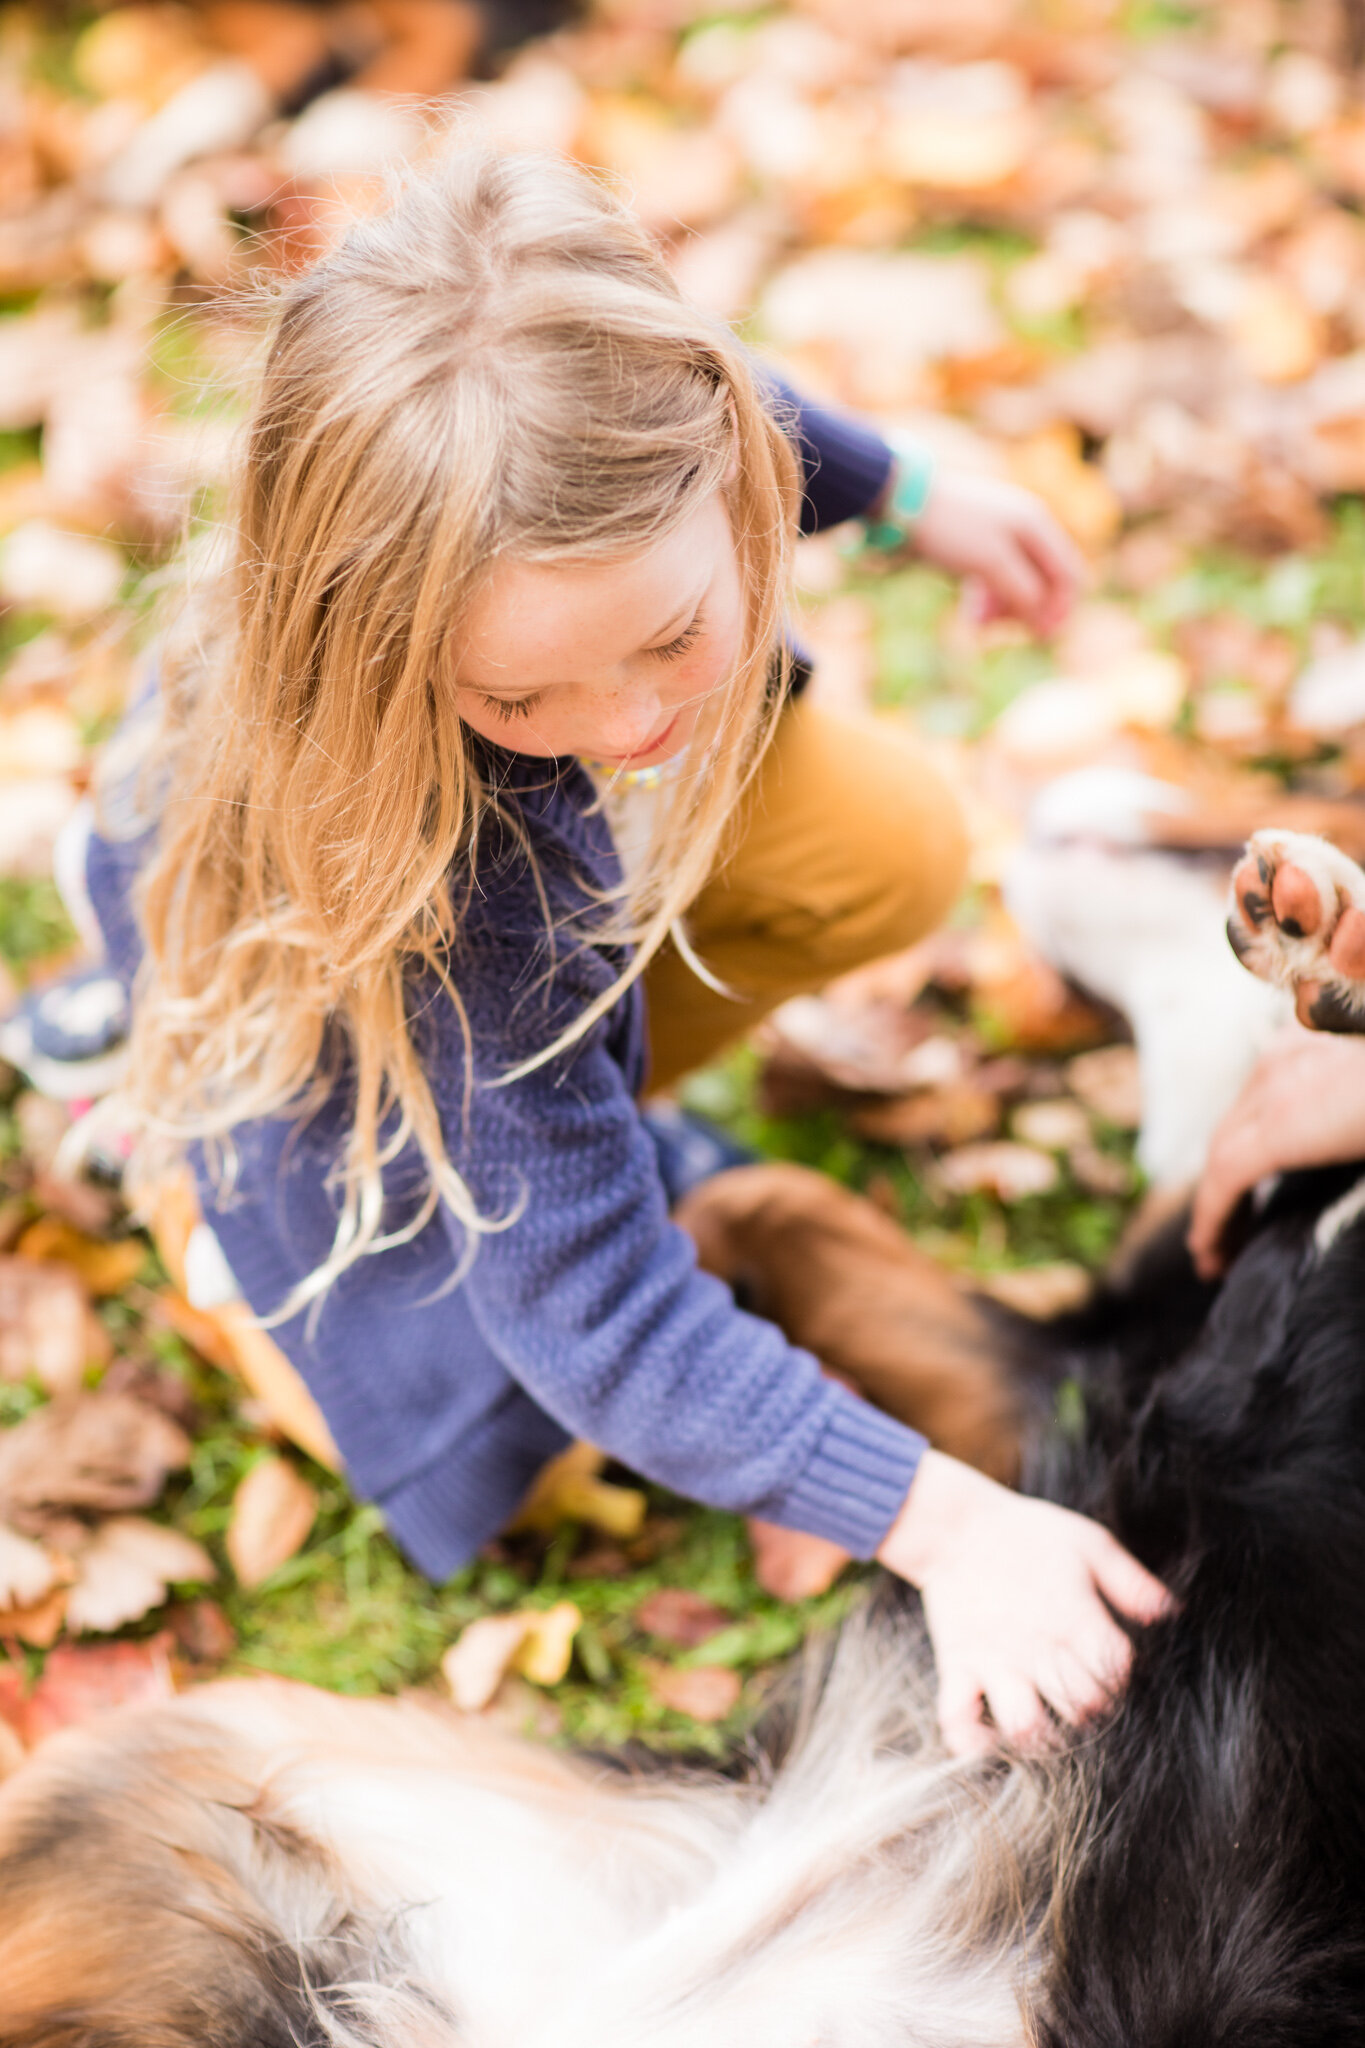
pixel 498 366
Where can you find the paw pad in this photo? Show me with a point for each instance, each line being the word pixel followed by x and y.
pixel 1298 918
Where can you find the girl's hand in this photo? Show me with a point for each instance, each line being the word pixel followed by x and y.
pixel 1004 537
pixel 1303 1106
pixel 1012 1597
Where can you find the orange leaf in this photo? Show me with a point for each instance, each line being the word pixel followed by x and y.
pixel 272 1513
pixel 708 1692
pixel 105 1267
pixel 678 1616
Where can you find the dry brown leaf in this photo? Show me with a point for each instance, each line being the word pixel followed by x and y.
pixel 1010 1172
pixel 1053 465
pixel 126 1569
pixel 27 1572
pixel 1109 1082
pixel 1279 337
pixel 102 1453
pixel 474 1666
pixel 81 1680
pixel 202 1632
pixel 708 1692
pixel 44 1325
pixel 569 1490
pixel 80 1203
pixel 546 1649
pixel 1040 1291
pixel 1051 1126
pixel 105 1266
pixel 1099 1173
pixel 38 1626
pixel 1033 1010
pixel 273 1511
pixel 954 1115
pixel 679 1616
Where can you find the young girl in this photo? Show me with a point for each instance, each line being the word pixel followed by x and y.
pixel 513 538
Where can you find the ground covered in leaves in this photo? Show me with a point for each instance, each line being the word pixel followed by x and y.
pixel 1114 251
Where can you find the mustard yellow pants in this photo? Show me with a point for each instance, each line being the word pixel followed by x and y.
pixel 851 846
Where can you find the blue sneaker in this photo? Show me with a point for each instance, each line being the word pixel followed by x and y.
pixel 689 1149
pixel 70 1039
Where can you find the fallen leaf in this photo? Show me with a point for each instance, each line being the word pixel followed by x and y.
pixel 707 1692
pixel 39 1625
pixel 1010 1172
pixel 202 1632
pixel 1051 1126
pixel 953 1115
pixel 81 1680
pixel 93 1452
pixel 569 1490
pixel 1039 1291
pixel 475 1664
pixel 106 1266
pixel 1109 1082
pixel 1099 1173
pixel 27 1572
pixel 1052 464
pixel 126 1569
pixel 679 1616
pixel 273 1511
pixel 1032 1009
pixel 44 1325
pixel 80 1203
pixel 547 1647
pixel 536 1642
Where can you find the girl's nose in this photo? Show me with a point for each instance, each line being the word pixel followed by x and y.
pixel 630 721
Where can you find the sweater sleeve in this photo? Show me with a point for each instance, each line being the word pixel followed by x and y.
pixel 845 465
pixel 592 1300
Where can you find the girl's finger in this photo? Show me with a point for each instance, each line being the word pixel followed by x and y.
pixel 1017 1711
pixel 1013 581
pixel 1129 1587
pixel 1054 551
pixel 961 1716
pixel 1070 1689
pixel 1235 1164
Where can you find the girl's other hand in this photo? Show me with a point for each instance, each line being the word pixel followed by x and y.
pixel 1303 1106
pixel 1026 566
pixel 1014 1595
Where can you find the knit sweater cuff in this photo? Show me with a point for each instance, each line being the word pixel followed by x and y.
pixel 855 1483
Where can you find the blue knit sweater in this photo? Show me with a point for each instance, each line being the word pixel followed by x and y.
pixel 587 1316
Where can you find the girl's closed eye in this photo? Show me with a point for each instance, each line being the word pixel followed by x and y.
pixel 673 650
pixel 514 707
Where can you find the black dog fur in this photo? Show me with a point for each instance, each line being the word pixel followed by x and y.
pixel 1217 1896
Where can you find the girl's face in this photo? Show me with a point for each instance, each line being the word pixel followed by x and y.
pixel 610 660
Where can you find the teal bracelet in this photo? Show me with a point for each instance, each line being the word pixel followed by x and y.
pixel 914 479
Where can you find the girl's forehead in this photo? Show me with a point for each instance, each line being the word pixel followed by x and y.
pixel 541 621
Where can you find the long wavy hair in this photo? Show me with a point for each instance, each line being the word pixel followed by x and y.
pixel 498 366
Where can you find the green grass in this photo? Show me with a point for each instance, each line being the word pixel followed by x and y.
pixel 33 923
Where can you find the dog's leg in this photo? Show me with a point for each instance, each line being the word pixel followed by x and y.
pixel 844 1281
pixel 1144 929
pixel 1297 919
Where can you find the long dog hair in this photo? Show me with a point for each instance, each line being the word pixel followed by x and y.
pixel 261 1865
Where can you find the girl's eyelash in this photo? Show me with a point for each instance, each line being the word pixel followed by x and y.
pixel 513 707
pixel 673 649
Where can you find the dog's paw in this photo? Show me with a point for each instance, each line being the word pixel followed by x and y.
pixel 1297 918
